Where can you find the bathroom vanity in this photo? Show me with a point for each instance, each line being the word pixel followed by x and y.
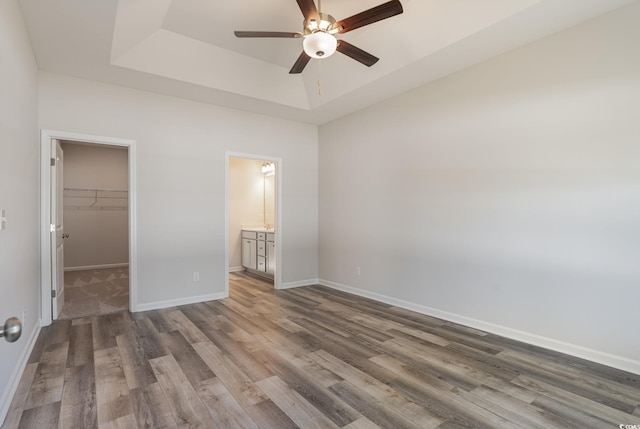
pixel 259 251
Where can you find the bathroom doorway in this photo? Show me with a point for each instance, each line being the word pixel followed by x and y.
pixel 253 231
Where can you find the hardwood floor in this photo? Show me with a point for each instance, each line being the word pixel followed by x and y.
pixel 309 357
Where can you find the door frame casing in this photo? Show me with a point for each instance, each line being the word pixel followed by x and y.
pixel 46 268
pixel 277 280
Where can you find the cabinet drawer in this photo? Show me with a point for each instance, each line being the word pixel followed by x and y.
pixel 262 263
pixel 249 234
pixel 262 248
pixel 262 236
pixel 271 236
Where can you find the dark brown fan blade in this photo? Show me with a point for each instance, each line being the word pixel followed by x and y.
pixel 308 8
pixel 300 64
pixel 267 34
pixel 356 53
pixel 378 13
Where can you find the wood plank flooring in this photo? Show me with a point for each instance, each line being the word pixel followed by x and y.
pixel 309 357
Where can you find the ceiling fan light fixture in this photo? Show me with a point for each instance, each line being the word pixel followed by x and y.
pixel 324 25
pixel 319 44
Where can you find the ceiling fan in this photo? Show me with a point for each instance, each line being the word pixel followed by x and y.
pixel 319 29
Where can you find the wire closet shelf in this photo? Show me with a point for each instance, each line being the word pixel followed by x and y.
pixel 96 199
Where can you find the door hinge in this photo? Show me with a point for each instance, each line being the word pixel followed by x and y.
pixel 53 162
pixel 53 294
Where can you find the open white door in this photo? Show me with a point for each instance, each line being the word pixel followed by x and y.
pixel 57 229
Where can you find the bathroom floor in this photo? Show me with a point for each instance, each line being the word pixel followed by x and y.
pixel 95 292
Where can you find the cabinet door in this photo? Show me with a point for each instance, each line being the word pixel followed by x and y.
pixel 271 257
pixel 249 259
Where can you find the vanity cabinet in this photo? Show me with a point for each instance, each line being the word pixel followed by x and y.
pixel 258 252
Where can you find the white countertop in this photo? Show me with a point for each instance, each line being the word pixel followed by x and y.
pixel 259 229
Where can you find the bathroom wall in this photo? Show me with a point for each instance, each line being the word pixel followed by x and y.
pixel 97 222
pixel 270 200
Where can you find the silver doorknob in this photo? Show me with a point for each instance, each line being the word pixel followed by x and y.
pixel 11 330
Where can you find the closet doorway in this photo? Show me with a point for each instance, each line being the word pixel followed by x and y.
pixel 96 245
pixel 88 226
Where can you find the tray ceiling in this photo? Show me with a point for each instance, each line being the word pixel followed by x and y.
pixel 186 48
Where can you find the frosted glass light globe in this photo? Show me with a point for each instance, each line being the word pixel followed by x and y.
pixel 319 44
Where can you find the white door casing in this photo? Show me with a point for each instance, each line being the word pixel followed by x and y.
pixel 47 200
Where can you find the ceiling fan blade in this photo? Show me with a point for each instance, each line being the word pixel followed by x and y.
pixel 378 13
pixel 308 8
pixel 300 63
pixel 356 53
pixel 267 34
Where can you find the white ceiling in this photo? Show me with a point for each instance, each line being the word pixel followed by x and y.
pixel 186 48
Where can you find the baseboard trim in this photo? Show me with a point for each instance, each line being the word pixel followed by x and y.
pixel 16 375
pixel 180 301
pixel 299 283
pixel 236 269
pixel 614 361
pixel 96 267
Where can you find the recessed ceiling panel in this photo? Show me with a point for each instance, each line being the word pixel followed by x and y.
pixel 214 23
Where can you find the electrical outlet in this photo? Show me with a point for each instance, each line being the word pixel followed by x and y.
pixel 3 219
pixel 196 276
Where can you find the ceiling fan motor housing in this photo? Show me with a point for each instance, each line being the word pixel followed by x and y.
pixel 324 22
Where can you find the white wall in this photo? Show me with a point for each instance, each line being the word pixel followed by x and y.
pixel 506 196
pixel 180 150
pixel 246 204
pixel 97 222
pixel 19 194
